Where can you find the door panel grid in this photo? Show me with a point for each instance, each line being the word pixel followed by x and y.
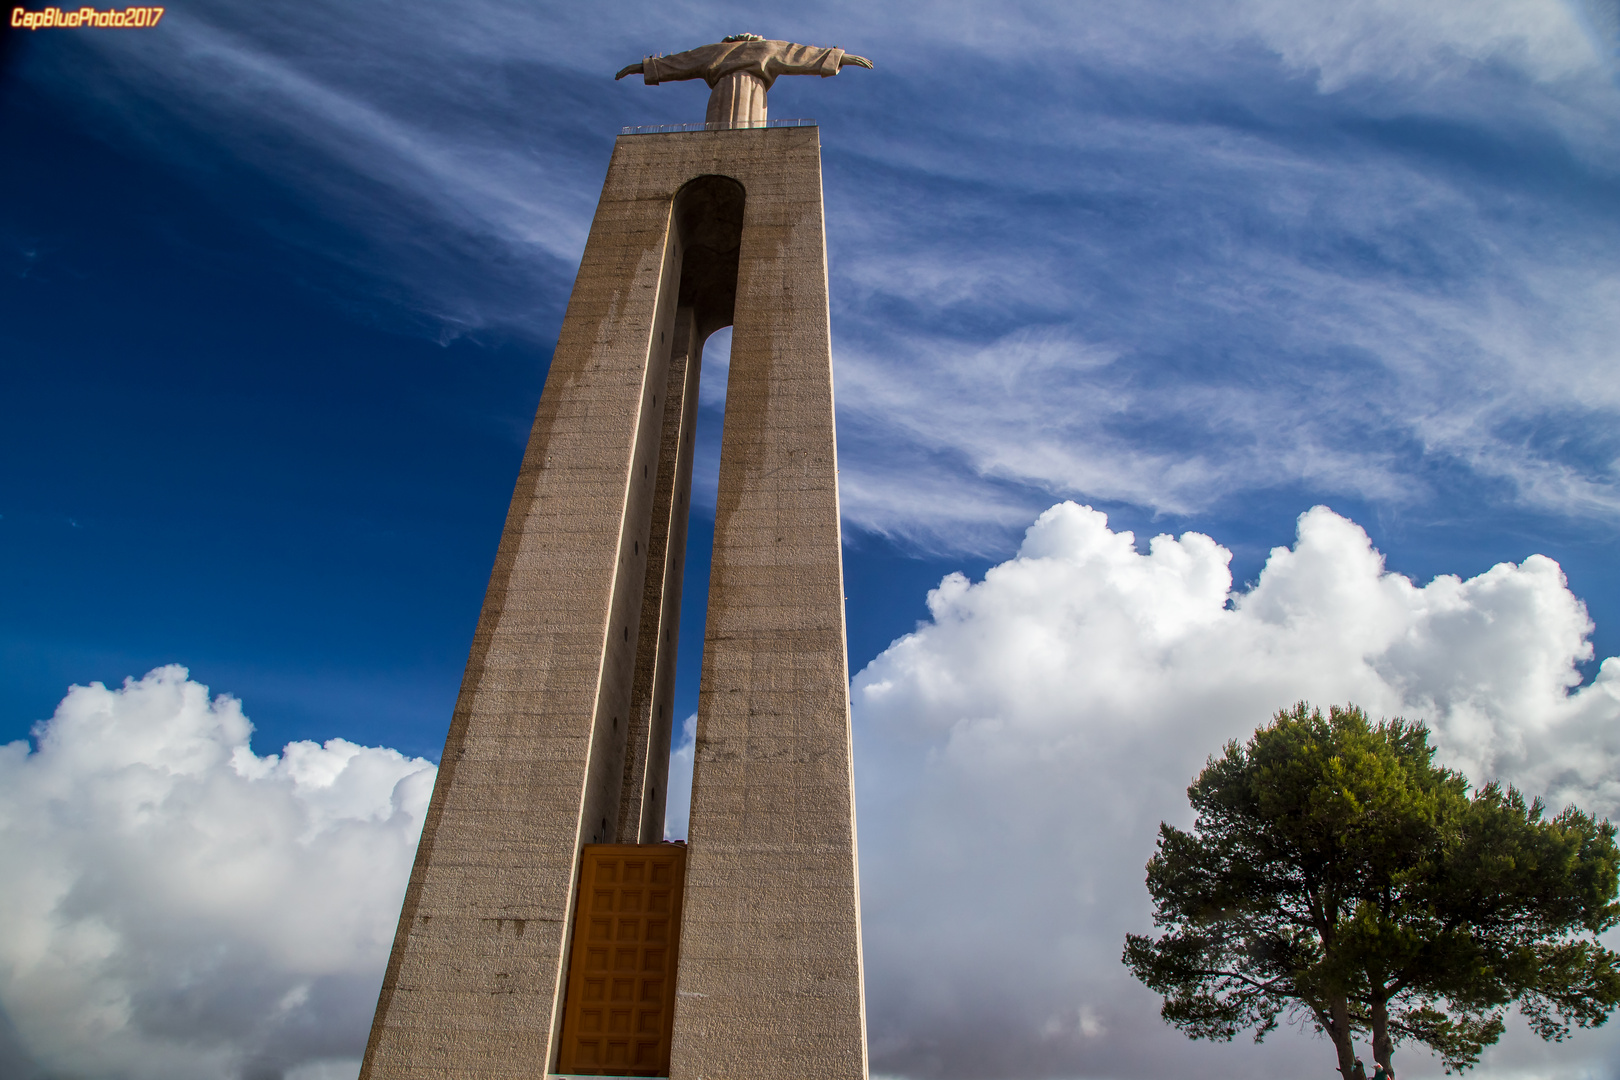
pixel 621 976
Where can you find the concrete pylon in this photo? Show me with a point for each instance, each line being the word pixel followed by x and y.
pixel 561 733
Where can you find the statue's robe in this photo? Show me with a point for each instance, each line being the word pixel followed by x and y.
pixel 739 72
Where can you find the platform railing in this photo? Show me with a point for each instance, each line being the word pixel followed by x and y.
pixel 721 125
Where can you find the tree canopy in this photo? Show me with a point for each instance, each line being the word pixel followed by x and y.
pixel 1337 875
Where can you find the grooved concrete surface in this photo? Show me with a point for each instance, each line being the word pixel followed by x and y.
pixel 652 697
pixel 770 973
pixel 535 763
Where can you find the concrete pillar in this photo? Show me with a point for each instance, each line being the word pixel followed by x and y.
pixel 770 973
pixel 558 739
pixel 652 697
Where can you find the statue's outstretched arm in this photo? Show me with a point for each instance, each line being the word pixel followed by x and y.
pixel 638 69
pixel 851 58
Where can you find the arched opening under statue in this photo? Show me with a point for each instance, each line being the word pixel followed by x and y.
pixel 706 237
pixel 709 214
pixel 620 996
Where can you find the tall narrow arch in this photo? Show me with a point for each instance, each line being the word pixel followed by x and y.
pixel 708 217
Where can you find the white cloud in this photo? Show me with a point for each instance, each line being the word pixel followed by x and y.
pixel 715 375
pixel 176 906
pixel 1387 39
pixel 716 371
pixel 678 788
pixel 1017 752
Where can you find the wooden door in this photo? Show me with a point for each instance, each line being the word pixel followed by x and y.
pixel 621 972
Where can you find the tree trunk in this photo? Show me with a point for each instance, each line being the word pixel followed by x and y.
pixel 1382 1046
pixel 1339 1031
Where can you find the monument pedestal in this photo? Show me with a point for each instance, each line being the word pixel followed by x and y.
pixel 561 732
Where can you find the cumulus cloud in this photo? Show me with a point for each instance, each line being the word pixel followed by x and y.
pixel 177 906
pixel 1016 753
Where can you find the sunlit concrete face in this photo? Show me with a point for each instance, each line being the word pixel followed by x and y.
pixel 560 736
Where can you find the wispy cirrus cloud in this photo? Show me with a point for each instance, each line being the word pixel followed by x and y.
pixel 1338 248
pixel 1317 295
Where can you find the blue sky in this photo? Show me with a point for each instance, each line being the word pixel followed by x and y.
pixel 281 284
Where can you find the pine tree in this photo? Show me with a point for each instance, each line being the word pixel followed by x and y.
pixel 1335 871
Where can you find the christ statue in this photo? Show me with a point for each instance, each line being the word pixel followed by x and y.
pixel 740 69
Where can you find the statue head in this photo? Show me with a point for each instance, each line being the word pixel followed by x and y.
pixel 741 37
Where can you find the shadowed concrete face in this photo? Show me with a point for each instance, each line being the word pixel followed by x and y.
pixel 561 734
